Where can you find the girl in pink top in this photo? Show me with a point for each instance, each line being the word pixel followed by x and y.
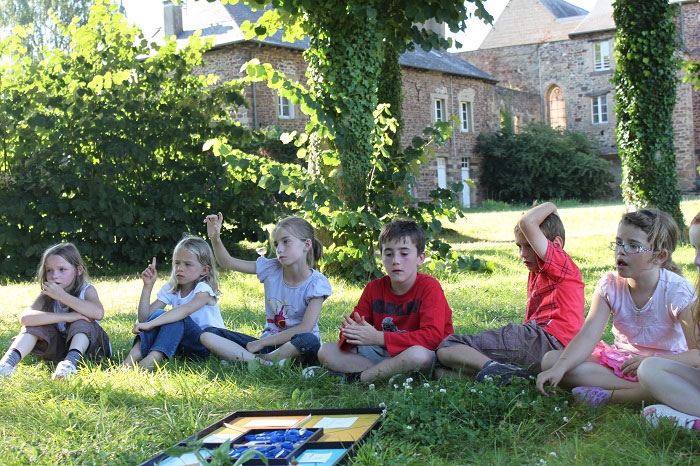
pixel 674 383
pixel 652 310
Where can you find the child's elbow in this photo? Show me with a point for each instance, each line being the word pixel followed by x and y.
pixel 24 319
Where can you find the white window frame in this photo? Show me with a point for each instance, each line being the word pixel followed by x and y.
pixel 466 116
pixel 599 109
pixel 601 55
pixel 285 108
pixel 439 110
pixel 442 172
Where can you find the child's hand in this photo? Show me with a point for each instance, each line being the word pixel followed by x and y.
pixel 362 334
pixel 150 275
pixel 141 327
pixel 214 225
pixel 53 291
pixel 254 346
pixel 552 376
pixel 630 366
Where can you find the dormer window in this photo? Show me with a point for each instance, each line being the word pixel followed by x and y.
pixel 601 55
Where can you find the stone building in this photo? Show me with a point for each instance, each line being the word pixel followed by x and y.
pixel 564 55
pixel 436 86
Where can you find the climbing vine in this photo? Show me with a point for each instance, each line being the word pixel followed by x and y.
pixel 645 82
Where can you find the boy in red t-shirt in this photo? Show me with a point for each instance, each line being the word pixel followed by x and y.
pixel 400 318
pixel 554 312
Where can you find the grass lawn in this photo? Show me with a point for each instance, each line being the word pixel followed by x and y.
pixel 106 415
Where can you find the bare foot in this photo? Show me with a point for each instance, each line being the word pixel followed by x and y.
pixel 153 359
pixel 133 358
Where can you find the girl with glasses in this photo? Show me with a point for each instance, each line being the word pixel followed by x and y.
pixel 651 305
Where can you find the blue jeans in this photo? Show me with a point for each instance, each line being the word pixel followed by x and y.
pixel 308 344
pixel 183 334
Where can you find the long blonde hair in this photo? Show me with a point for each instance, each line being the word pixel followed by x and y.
pixel 696 314
pixel 70 254
pixel 205 257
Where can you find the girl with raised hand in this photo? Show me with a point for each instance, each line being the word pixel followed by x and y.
pixel 192 294
pixel 63 323
pixel 294 293
pixel 673 383
pixel 652 308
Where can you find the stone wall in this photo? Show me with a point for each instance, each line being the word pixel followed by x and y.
pixel 420 87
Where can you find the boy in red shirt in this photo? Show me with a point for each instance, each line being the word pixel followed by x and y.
pixel 554 312
pixel 400 318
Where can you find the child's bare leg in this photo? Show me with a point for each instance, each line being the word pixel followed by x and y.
pixel 590 373
pixel 672 383
pixel 286 351
pixel 411 359
pixel 24 343
pixel 462 358
pixel 134 355
pixel 225 349
pixel 80 342
pixel 151 359
pixel 338 360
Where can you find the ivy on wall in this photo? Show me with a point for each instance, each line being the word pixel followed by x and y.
pixel 645 82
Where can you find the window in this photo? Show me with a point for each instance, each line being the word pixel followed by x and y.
pixel 556 108
pixel 466 194
pixel 465 117
pixel 442 172
pixel 286 108
pixel 439 110
pixel 601 54
pixel 516 124
pixel 599 105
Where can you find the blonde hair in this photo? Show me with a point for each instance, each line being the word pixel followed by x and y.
pixel 205 257
pixel 302 230
pixel 70 254
pixel 696 314
pixel 662 232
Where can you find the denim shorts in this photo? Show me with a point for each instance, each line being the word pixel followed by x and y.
pixel 374 353
pixel 307 343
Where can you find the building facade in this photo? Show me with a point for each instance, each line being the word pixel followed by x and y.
pixel 564 54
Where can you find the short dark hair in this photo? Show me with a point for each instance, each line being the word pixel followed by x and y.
pixel 403 228
pixel 551 227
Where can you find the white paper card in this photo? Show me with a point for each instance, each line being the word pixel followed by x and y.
pixel 308 457
pixel 267 422
pixel 335 422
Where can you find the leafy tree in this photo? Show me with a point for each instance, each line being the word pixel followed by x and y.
pixel 102 145
pixel 350 136
pixel 645 82
pixel 43 18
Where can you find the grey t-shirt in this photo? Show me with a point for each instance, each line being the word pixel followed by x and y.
pixel 285 305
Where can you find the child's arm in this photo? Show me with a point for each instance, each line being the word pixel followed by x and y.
pixel 307 324
pixel 90 307
pixel 34 316
pixel 175 314
pixel 149 277
pixel 581 346
pixel 222 256
pixel 530 226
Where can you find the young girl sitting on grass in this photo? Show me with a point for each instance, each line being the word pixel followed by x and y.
pixel 63 323
pixel 294 293
pixel 192 294
pixel 673 383
pixel 652 316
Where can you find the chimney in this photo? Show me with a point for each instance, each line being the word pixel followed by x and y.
pixel 172 18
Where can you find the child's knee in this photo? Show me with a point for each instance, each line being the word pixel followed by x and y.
pixel 649 369
pixel 550 358
pixel 420 357
pixel 207 339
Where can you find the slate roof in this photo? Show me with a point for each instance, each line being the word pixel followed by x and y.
pixel 561 9
pixel 224 21
pixel 599 19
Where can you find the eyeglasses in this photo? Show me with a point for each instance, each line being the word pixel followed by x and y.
pixel 628 248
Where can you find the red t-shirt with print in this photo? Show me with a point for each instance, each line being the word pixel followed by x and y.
pixel 422 312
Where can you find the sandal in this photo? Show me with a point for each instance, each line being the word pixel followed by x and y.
pixel 594 397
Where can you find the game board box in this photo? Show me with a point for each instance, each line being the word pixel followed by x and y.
pixel 334 435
